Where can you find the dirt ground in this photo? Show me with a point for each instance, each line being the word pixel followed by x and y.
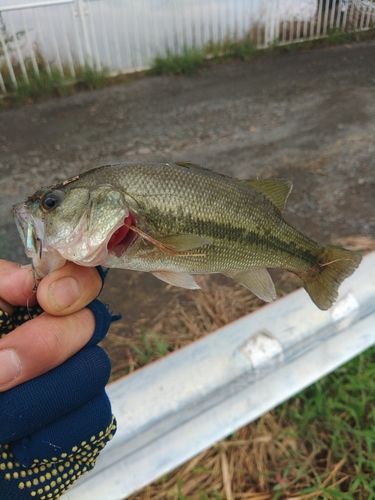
pixel 307 116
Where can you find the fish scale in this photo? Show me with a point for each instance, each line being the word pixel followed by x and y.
pixel 187 220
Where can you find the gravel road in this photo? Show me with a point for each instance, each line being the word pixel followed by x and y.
pixel 307 116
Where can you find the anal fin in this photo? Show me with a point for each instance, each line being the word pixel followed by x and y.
pixel 183 280
pixel 257 281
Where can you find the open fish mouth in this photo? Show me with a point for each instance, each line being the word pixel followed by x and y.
pixel 122 237
pixel 47 256
pixel 31 229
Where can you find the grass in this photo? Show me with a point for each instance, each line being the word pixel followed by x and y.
pixel 90 78
pixel 153 347
pixel 319 444
pixel 334 37
pixel 191 60
pixel 188 62
pixel 333 420
pixel 53 84
pixel 38 86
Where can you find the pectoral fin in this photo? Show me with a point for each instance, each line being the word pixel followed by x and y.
pixel 182 242
pixel 276 190
pixel 184 280
pixel 257 281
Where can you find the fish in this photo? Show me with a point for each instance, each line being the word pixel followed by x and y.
pixel 177 220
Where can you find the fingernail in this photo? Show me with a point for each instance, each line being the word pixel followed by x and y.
pixel 63 293
pixel 10 366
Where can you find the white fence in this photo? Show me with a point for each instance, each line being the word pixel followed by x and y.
pixel 124 36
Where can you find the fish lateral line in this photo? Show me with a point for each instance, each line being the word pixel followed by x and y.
pixel 176 255
pixel 191 255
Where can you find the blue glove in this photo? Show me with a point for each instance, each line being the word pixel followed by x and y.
pixel 52 428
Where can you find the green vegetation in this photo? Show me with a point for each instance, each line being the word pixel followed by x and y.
pixel 333 37
pixel 41 83
pixel 191 60
pixel 90 78
pixel 38 86
pixel 51 84
pixel 333 424
pixel 152 347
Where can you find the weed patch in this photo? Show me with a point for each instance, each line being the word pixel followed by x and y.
pixel 188 62
pixel 38 86
pixel 90 78
pixel 191 60
pixel 44 84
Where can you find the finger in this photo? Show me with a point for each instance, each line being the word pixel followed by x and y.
pixel 68 289
pixel 42 344
pixel 16 285
pixel 6 307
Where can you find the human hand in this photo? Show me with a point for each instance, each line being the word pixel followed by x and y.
pixel 45 342
pixel 54 414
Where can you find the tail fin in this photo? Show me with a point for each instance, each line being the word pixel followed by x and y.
pixel 322 283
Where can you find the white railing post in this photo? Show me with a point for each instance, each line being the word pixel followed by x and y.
pixel 54 44
pixel 67 46
pixel 18 50
pixel 82 17
pixel 270 23
pixel 2 84
pixel 44 50
pixel 7 59
pixel 29 44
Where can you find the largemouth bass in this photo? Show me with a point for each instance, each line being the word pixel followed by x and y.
pixel 175 220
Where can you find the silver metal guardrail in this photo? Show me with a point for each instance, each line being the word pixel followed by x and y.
pixel 173 409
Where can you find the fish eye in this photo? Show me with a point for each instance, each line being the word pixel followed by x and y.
pixel 52 200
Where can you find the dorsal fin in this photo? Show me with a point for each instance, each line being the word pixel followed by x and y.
pixel 276 190
pixel 190 164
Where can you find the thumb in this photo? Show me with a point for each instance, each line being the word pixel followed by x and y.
pixel 68 289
